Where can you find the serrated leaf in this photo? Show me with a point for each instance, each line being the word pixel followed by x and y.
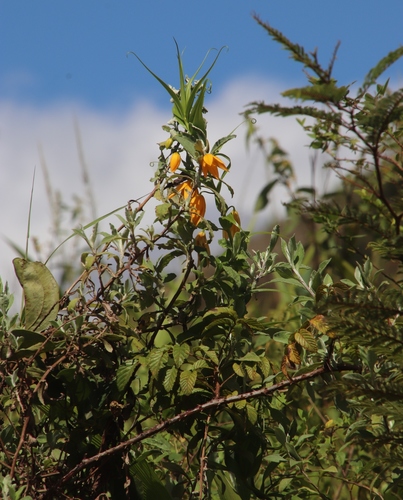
pixel 251 371
pixel 250 356
pixel 150 484
pixel 293 354
pixel 180 353
pixel 199 364
pixel 123 375
pixel 221 312
pixel 252 413
pixel 170 378
pixel 213 356
pixel 306 340
pixel 157 359
pixel 265 366
pixel 41 293
pixel 187 381
pixel 240 404
pixel 238 369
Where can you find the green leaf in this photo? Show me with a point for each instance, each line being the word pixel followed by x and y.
pixel 170 378
pixel 123 375
pixel 41 293
pixel 305 339
pixel 263 197
pixel 250 356
pixel 27 339
pixel 180 353
pixel 150 485
pixel 252 413
pixel 157 359
pixel 238 369
pixel 187 381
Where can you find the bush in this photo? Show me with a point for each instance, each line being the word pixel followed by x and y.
pixel 156 375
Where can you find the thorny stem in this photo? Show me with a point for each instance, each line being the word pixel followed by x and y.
pixel 213 403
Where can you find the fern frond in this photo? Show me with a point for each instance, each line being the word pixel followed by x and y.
pixel 296 51
pixel 389 109
pixel 380 68
pixel 278 110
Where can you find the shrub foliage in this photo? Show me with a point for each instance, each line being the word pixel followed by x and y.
pixel 157 374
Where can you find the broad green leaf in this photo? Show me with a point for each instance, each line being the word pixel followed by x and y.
pixel 252 413
pixel 150 485
pixel 180 353
pixel 221 312
pixel 27 339
pixel 305 339
pixel 41 293
pixel 239 405
pixel 123 375
pixel 157 359
pixel 213 356
pixel 225 488
pixel 170 378
pixel 187 381
pixel 275 457
pixel 250 356
pixel 238 369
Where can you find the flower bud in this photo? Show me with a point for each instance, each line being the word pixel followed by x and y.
pixel 174 162
pixel 166 144
pixel 234 228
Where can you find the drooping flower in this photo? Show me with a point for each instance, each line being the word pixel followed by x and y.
pixel 210 165
pixel 235 228
pixel 175 161
pixel 184 189
pixel 197 207
pixel 201 241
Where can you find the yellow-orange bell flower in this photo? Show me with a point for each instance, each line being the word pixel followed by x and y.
pixel 174 162
pixel 184 189
pixel 234 228
pixel 201 241
pixel 197 207
pixel 210 165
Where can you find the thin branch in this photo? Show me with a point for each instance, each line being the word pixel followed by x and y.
pixel 213 403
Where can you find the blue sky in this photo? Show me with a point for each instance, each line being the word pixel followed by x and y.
pixel 52 50
pixel 64 62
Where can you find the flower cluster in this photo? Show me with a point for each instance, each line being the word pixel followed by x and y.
pixel 209 165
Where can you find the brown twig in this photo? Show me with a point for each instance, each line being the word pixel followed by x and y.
pixel 21 442
pixel 213 403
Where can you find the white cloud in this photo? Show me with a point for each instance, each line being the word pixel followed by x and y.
pixel 118 149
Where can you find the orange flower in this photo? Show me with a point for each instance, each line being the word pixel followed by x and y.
pixel 234 228
pixel 174 162
pixel 197 207
pixel 210 165
pixel 201 241
pixel 184 189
